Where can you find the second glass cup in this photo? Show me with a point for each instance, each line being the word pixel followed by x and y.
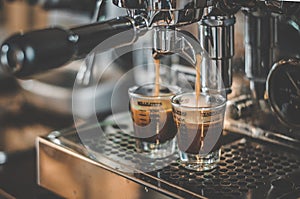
pixel 199 120
pixel 153 123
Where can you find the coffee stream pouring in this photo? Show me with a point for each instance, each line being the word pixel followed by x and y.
pixel 27 54
pixel 37 51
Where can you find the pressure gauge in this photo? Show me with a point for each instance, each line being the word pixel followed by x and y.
pixel 283 89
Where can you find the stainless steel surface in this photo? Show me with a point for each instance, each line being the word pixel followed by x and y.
pixel 160 5
pixel 246 169
pixel 168 41
pixel 164 40
pixel 253 131
pixel 165 16
pixel 86 178
pixel 261 43
pixel 167 13
pixel 217 38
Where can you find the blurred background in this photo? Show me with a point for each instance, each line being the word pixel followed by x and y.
pixel 21 119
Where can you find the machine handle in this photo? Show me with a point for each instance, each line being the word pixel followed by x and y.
pixel 41 50
pixel 37 51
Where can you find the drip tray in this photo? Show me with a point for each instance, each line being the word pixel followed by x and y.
pixel 246 169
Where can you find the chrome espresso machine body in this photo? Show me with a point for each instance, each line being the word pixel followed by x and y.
pixel 261 135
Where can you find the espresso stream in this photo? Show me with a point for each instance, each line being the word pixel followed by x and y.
pixel 165 127
pixel 197 93
pixel 157 75
pixel 198 78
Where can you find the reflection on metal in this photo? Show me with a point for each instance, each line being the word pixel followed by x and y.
pixel 245 170
pixel 5 195
pixel 72 175
pixel 261 134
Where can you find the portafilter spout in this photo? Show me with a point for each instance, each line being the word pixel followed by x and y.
pixel 217 38
pixel 166 12
pixel 37 51
pixel 165 17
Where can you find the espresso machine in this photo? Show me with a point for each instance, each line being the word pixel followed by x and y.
pixel 261 129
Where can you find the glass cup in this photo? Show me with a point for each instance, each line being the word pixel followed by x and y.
pixel 199 121
pixel 153 123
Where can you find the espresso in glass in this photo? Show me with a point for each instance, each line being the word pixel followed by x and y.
pixel 153 127
pixel 193 137
pixel 199 120
pixel 153 123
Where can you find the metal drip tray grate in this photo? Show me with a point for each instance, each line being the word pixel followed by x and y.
pixel 246 168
